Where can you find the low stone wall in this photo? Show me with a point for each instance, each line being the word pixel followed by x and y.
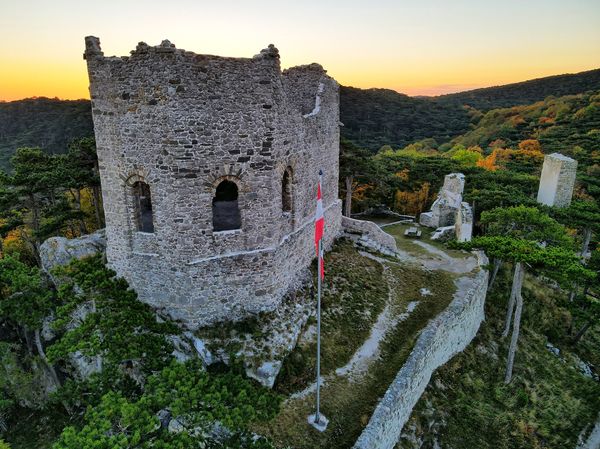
pixel 371 235
pixel 446 335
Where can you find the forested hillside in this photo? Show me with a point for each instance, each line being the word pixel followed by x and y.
pixel 376 117
pixel 42 122
pixel 371 117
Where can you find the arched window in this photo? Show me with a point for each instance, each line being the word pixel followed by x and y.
pixel 286 190
pixel 226 212
pixel 143 207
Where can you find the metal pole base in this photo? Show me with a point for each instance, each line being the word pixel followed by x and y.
pixel 321 425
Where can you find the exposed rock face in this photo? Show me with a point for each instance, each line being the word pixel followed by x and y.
pixel 445 207
pixel 557 180
pixel 274 336
pixel 57 251
pixel 84 365
pixel 464 223
pixel 184 139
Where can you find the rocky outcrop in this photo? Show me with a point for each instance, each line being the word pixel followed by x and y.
pixel 58 251
pixel 263 342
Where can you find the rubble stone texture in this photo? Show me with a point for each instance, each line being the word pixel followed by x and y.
pixel 464 223
pixel 182 123
pixel 557 180
pixel 445 207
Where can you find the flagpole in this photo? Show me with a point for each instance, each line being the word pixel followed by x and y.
pixel 317 420
pixel 319 268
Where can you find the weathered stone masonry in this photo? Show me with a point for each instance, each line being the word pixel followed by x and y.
pixel 182 123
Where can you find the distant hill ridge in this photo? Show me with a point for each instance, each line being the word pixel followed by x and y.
pixel 525 92
pixel 376 117
pixel 371 117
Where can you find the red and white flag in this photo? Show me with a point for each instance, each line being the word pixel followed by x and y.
pixel 319 226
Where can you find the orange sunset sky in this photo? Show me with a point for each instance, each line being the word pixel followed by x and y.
pixel 424 47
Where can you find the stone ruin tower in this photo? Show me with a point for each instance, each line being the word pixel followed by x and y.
pixel 557 180
pixel 209 167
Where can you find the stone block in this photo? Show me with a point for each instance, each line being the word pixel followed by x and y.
pixel 464 223
pixel 557 180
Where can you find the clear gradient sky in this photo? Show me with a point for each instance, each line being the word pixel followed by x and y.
pixel 422 47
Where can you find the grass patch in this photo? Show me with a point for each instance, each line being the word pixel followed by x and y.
pixel 546 405
pixel 349 404
pixel 354 293
pixel 408 244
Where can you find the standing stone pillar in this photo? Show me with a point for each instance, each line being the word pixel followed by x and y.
pixel 557 180
pixel 464 223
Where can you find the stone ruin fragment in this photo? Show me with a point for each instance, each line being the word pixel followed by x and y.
pixel 557 180
pixel 446 206
pixel 464 223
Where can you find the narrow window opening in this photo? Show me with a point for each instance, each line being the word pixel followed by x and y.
pixel 143 207
pixel 225 208
pixel 286 191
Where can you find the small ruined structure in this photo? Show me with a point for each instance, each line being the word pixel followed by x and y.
pixel 209 169
pixel 445 207
pixel 557 180
pixel 464 223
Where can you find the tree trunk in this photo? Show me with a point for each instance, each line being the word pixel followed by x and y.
pixel 96 198
pixel 348 199
pixel 495 269
pixel 28 341
pixel 587 237
pixel 582 331
pixel 517 280
pixel 77 199
pixel 516 328
pixel 42 354
pixel 35 225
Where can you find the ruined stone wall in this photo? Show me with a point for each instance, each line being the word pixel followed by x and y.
pixel 371 235
pixel 183 122
pixel 444 336
pixel 557 180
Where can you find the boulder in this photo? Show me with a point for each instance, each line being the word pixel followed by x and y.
pixel 203 352
pixel 58 251
pixel 85 365
pixel 182 350
pixel 266 373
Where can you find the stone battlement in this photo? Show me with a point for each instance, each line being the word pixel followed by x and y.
pixel 209 167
